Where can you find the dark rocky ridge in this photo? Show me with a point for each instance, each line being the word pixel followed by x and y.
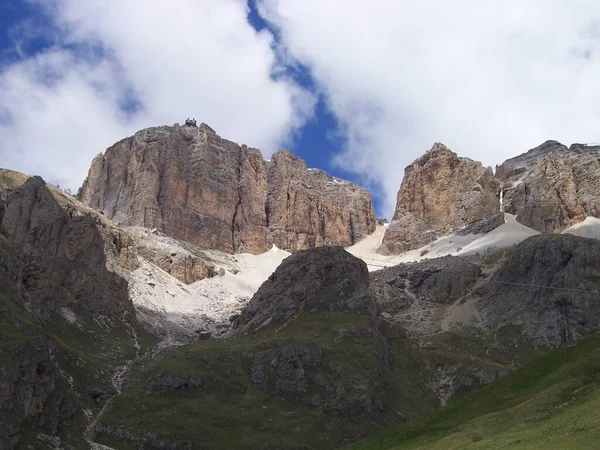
pixel 53 257
pixel 547 287
pixel 313 280
pixel 62 258
pixel 571 264
pixel 195 186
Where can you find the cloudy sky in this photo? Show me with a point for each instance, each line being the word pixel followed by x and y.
pixel 357 88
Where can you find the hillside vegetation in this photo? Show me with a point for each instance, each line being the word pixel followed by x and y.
pixel 552 403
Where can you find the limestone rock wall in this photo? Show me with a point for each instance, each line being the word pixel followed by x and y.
pixel 552 187
pixel 195 186
pixel 440 193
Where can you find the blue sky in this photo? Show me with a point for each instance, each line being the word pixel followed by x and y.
pixel 359 92
pixel 318 139
pixel 25 32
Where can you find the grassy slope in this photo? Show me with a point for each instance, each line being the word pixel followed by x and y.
pixel 229 411
pixel 552 403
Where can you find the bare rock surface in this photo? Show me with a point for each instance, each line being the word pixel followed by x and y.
pixel 320 279
pixel 552 187
pixel 543 288
pixel 411 294
pixel 62 259
pixel 195 186
pixel 440 193
pixel 188 265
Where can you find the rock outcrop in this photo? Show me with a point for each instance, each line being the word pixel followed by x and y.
pixel 61 259
pixel 195 186
pixel 549 286
pixel 440 193
pixel 184 265
pixel 409 294
pixel 313 280
pixel 552 187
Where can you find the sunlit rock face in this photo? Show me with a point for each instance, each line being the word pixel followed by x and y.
pixel 195 186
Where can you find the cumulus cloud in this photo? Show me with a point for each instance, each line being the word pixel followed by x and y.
pixel 115 67
pixel 489 79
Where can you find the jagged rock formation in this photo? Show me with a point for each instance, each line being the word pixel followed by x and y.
pixel 440 193
pixel 548 316
pixel 62 259
pixel 61 299
pixel 194 186
pixel 552 187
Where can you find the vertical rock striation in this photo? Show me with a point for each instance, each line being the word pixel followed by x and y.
pixel 552 187
pixel 440 193
pixel 195 186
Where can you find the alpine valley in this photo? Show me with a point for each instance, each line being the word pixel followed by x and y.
pixel 194 295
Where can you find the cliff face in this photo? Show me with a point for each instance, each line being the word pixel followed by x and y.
pixel 192 185
pixel 440 193
pixel 549 189
pixel 552 187
pixel 62 259
pixel 57 263
pixel 553 296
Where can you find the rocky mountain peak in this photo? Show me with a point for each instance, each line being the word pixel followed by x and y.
pixel 549 188
pixel 440 192
pixel 438 147
pixel 552 187
pixel 193 185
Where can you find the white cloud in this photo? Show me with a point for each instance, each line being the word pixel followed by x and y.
pixel 178 59
pixel 489 79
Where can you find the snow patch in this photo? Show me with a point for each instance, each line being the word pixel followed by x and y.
pixel 506 235
pixel 589 228
pixel 167 304
pixel 367 249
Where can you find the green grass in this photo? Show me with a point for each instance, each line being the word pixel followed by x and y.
pixel 229 411
pixel 553 402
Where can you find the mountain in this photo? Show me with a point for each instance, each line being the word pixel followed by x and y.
pixel 549 189
pixel 171 316
pixel 440 193
pixel 191 184
pixel 68 327
pixel 552 187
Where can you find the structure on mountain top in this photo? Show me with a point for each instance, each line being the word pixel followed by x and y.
pixel 190 122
